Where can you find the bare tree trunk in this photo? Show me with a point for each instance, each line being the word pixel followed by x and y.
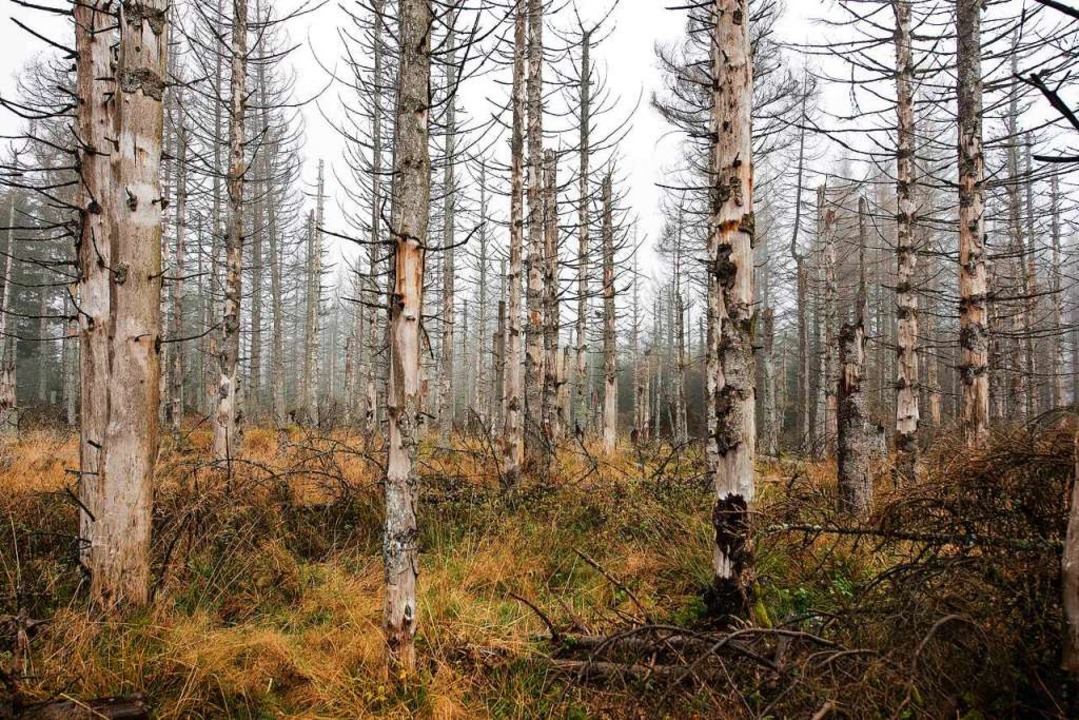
pixel 447 396
pixel 94 37
pixel 353 354
pixel 176 391
pixel 855 486
pixel 973 279
pixel 254 391
pixel 1020 400
pixel 44 358
pixel 512 439
pixel 312 374
pixel 9 407
pixel 610 359
pixel 217 226
pixel 653 417
pixel 855 483
pixel 481 400
pixel 681 424
pixel 69 359
pixel 119 561
pixel 732 440
pixel 228 420
pixel 9 412
pixel 535 442
pixel 907 413
pixel 1056 341
pixel 1030 287
pixel 553 422
pixel 375 258
pixel 277 339
pixel 497 412
pixel 583 230
pixel 769 436
pixel 465 379
pixel 409 216
pixel 804 412
pixel 831 301
pixel 641 416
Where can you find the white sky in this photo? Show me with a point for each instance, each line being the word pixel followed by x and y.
pixel 626 58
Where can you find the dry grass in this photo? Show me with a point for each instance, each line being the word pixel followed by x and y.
pixel 268 594
pixel 267 608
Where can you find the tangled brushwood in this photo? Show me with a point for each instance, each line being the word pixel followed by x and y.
pixel 583 596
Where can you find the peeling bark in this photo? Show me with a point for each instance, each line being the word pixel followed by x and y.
pixel 855 483
pixel 228 417
pixel 9 411
pixel 907 413
pixel 610 359
pixel 732 438
pixel 94 35
pixel 513 437
pixel 447 405
pixel 119 559
pixel 409 217
pixel 536 445
pixel 973 279
pixel 583 229
pixel 553 420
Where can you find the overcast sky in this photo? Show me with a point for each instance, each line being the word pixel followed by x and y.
pixel 627 59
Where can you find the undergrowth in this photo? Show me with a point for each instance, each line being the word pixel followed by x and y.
pixel 267 596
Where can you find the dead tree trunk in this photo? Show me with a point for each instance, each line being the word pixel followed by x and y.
pixel 312 374
pixel 228 419
pixel 447 405
pixel 176 387
pixel 855 484
pixel 277 332
pixel 973 278
pixel 481 397
pixel 769 434
pixel 409 216
pixel 732 441
pixel 610 359
pixel 641 415
pixel 535 442
pixel 497 413
pixel 907 412
pixel 1033 348
pixel 512 437
pixel 1020 390
pixel 553 421
pixel 119 561
pixel 1056 341
pixel 9 412
pixel 94 23
pixel 829 321
pixel 583 242
pixel 375 334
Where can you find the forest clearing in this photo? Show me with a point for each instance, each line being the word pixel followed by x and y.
pixel 519 359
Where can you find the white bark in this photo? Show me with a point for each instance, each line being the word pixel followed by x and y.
pixel 610 359
pixel 228 418
pixel 732 439
pixel 513 437
pixel 973 279
pixel 119 557
pixel 409 216
pixel 907 411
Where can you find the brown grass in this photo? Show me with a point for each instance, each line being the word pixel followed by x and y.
pixel 268 584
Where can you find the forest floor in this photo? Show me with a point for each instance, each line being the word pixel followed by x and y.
pixel 267 596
